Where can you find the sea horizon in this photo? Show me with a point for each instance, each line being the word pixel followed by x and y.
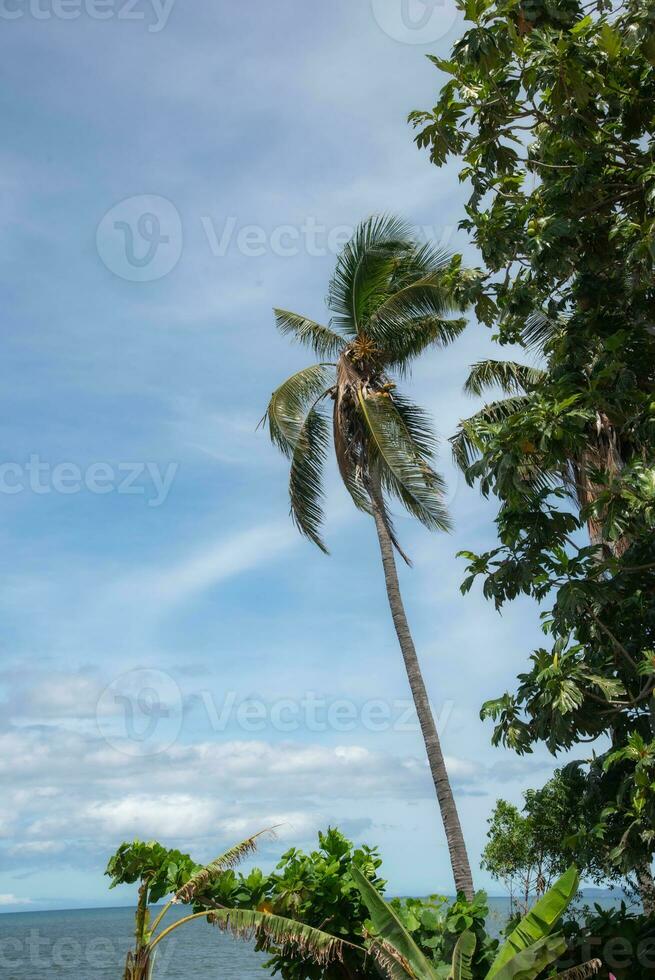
pixel 590 893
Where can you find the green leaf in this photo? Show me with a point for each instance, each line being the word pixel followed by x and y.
pixel 582 25
pixel 540 920
pixel 462 966
pixel 288 406
pixel 391 929
pixel 530 962
pixel 610 40
pixel 306 476
pixel 406 471
pixel 322 340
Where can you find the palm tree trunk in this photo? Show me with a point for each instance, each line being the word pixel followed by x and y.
pixel 646 888
pixel 456 846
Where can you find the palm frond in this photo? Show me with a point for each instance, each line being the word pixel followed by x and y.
pixel 229 859
pixel 410 338
pixel 419 427
pixel 277 932
pixel 363 267
pixel 427 303
pixel 468 442
pixel 512 378
pixel 539 329
pixel 427 259
pixel 289 403
pixel 418 424
pixel 420 292
pixel 589 969
pixel 322 340
pixel 405 468
pixel 377 482
pixel 306 476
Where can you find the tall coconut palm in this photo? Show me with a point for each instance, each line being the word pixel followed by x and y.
pixel 389 299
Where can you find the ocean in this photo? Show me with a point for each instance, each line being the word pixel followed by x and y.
pixel 92 945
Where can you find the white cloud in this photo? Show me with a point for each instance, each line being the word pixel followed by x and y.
pixel 78 790
pixel 8 900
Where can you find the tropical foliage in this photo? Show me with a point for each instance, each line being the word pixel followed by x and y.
pixel 316 889
pixel 549 107
pixel 624 941
pixel 160 873
pixel 527 849
pixel 529 949
pixel 390 299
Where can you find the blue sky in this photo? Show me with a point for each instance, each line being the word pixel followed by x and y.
pixel 147 559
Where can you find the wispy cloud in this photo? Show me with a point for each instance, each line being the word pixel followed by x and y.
pixel 208 566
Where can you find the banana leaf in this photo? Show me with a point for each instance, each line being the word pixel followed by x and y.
pixel 530 962
pixel 539 922
pixel 389 926
pixel 463 957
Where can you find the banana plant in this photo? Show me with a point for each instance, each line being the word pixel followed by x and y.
pixel 161 873
pixel 530 948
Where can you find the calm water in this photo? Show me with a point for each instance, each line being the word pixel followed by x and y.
pixel 92 944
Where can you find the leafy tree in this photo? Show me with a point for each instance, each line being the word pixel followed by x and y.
pixel 160 872
pixel 508 855
pixel 308 913
pixel 316 889
pixel 528 848
pixel 549 104
pixel 390 299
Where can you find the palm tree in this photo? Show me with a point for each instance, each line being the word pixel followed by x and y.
pixel 390 299
pixel 519 384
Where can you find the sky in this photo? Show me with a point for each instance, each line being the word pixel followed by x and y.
pixel 176 662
